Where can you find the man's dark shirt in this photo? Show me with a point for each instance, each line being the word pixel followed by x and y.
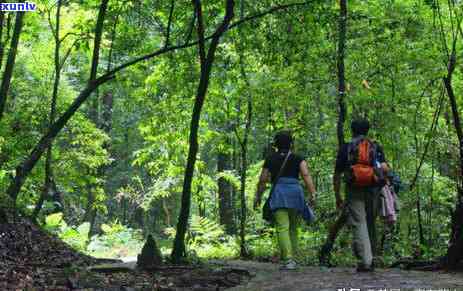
pixel 342 159
pixel 291 170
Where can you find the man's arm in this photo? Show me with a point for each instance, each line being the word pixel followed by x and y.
pixel 261 186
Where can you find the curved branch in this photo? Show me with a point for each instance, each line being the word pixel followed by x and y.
pixel 193 43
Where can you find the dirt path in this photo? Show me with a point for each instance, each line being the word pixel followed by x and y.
pixel 268 277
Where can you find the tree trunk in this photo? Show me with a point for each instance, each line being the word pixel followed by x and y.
pixel 57 198
pixel 8 73
pixel 44 194
pixel 166 212
pixel 90 210
pixel 106 116
pixel 103 122
pixel 178 252
pixel 244 167
pixel 225 192
pixel 455 249
pixel 342 219
pixel 49 157
pixel 3 216
pixel 324 256
pixel 90 201
pixel 244 158
pixel 2 42
pixel 340 64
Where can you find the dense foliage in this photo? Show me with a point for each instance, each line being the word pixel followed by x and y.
pixel 118 165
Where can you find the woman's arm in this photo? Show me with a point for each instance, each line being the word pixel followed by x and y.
pixel 307 180
pixel 261 185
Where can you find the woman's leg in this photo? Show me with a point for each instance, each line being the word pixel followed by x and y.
pixel 282 228
pixel 294 229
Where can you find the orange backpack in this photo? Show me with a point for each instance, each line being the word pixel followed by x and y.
pixel 362 158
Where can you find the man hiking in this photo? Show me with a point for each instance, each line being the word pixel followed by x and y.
pixel 363 164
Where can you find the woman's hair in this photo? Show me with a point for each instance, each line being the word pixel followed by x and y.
pixel 283 140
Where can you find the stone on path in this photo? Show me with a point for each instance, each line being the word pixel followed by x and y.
pixel 150 256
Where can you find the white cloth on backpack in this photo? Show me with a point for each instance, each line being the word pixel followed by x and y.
pixel 389 204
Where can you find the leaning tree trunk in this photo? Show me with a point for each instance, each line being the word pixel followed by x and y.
pixel 25 167
pixel 8 73
pixel 455 249
pixel 342 219
pixel 206 61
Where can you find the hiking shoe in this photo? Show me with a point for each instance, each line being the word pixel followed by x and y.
pixel 289 265
pixel 361 268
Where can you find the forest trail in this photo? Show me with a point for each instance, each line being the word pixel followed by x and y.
pixel 267 276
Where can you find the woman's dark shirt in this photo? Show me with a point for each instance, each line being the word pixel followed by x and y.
pixel 291 169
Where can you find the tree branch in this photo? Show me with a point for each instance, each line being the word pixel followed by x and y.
pixel 200 30
pixel 269 11
pixel 169 23
pixel 98 36
pixel 190 44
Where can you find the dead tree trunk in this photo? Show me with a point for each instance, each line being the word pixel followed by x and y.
pixel 206 61
pixel 8 73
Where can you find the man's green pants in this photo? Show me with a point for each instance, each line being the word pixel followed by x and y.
pixel 286 224
pixel 362 207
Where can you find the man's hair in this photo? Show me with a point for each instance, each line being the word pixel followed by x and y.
pixel 283 140
pixel 360 126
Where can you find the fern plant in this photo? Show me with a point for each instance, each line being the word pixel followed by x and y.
pixel 204 230
pixel 207 239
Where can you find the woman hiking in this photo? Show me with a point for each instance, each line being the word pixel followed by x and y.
pixel 284 168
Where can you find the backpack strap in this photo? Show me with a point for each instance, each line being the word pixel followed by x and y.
pixel 351 158
pixel 282 167
pixel 352 149
pixel 279 173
